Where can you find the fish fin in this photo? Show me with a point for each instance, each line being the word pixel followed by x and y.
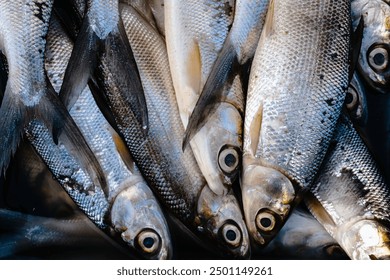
pixel 356 43
pixel 123 151
pixel 101 102
pixel 82 63
pixel 13 118
pixel 255 129
pixel 222 74
pixel 268 28
pixel 119 57
pixel 56 117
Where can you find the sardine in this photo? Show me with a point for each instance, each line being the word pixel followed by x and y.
pixel 374 71
pixel 350 197
pixel 173 174
pixel 237 50
pixel 28 95
pixel 134 212
pixel 297 87
pixel 195 33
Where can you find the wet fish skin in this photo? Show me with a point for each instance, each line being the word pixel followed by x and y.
pixel 195 33
pixel 183 189
pixel 294 100
pixel 134 211
pixel 350 197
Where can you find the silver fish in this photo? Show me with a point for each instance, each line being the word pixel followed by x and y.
pixel 195 33
pixel 135 212
pixel 302 237
pixel 173 174
pixel 294 99
pixel 350 198
pixel 28 95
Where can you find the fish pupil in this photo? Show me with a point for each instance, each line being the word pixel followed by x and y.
pixel 148 242
pixel 230 160
pixel 379 59
pixel 231 235
pixel 349 98
pixel 265 222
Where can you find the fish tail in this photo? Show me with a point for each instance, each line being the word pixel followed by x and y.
pixel 13 118
pixel 221 75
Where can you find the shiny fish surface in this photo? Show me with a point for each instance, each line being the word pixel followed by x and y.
pixel 350 197
pixel 294 100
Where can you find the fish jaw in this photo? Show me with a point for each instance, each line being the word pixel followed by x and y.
pixel 220 218
pixel 365 239
pixel 267 197
pixel 136 214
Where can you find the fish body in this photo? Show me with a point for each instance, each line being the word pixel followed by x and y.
pixel 195 33
pixel 350 197
pixel 134 211
pixel 174 175
pixel 296 90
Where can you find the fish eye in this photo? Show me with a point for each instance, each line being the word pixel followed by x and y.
pixel 228 159
pixel 265 220
pixel 351 98
pixel 378 57
pixel 148 241
pixel 231 234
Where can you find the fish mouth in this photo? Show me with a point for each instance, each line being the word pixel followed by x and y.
pixel 220 218
pixel 268 197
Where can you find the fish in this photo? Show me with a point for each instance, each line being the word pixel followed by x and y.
pixel 134 211
pixel 174 175
pixel 195 32
pixel 28 95
pixel 350 197
pixel 297 86
pixel 98 31
pixel 374 78
pixel 233 59
pixel 302 237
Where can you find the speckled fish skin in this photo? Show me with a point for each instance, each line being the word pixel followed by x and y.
pixel 195 33
pixel 303 237
pixel 173 174
pixel 374 71
pixel 135 212
pixel 297 86
pixel 350 197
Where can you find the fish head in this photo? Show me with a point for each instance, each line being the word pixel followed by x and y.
pixel 366 239
pixel 136 214
pixel 219 144
pixel 373 63
pixel 267 197
pixel 220 219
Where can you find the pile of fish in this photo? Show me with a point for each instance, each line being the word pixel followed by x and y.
pixel 253 128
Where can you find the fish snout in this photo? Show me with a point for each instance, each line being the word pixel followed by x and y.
pixel 222 220
pixel 267 198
